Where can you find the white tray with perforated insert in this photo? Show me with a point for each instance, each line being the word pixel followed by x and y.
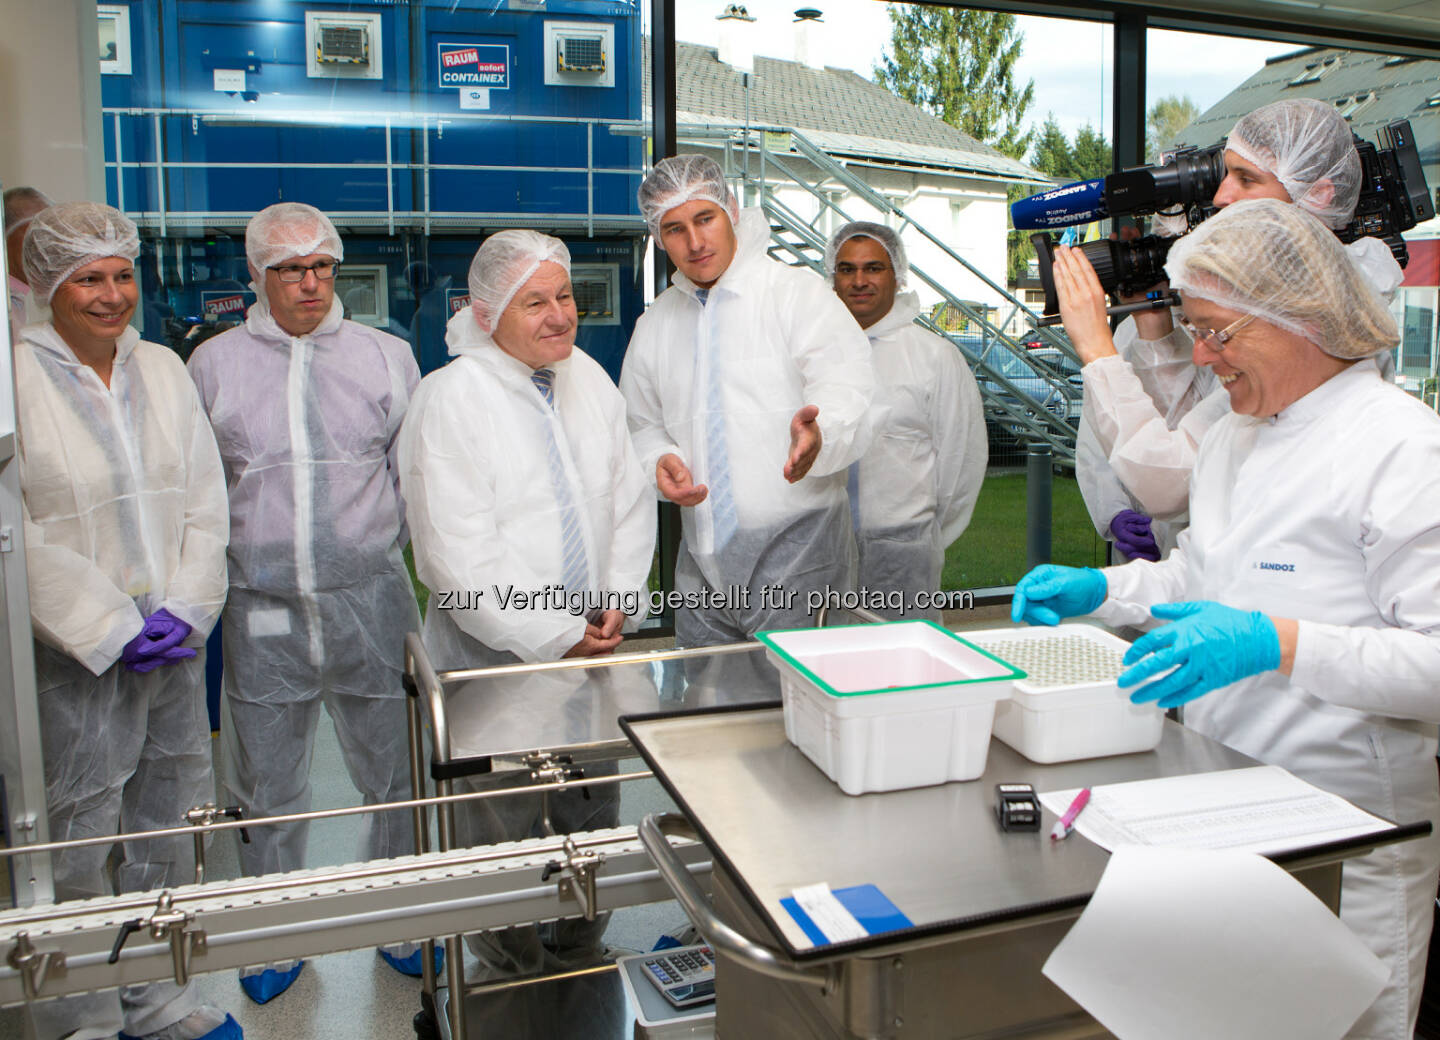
pixel 1068 706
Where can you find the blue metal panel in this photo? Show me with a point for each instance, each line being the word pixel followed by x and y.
pixel 177 45
pixel 545 145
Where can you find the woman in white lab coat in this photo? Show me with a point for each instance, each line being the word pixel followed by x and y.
pixel 125 530
pixel 1304 600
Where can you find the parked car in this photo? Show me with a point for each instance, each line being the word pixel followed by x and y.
pixel 1046 378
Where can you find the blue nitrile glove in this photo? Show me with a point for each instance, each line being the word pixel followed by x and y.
pixel 1049 593
pixel 1133 536
pixel 1209 645
pixel 162 633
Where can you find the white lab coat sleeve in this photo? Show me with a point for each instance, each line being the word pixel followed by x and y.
pixel 1132 589
pixel 1101 489
pixel 196 591
pixel 1164 366
pixel 451 502
pixel 74 607
pixel 833 355
pixel 644 412
pixel 1392 670
pixel 961 446
pixel 632 547
pixel 1152 461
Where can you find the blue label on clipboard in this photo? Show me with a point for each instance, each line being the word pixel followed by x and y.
pixel 866 903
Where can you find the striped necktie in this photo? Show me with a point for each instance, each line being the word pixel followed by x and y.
pixel 717 455
pixel 575 572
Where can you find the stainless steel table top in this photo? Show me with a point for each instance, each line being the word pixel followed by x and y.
pixel 513 711
pixel 777 823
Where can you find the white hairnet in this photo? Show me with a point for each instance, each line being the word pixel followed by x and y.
pixel 1304 142
pixel 887 238
pixel 503 264
pixel 681 179
pixel 285 231
pixel 21 205
pixel 1276 261
pixel 65 237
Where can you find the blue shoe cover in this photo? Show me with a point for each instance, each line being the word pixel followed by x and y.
pixel 227 1030
pixel 412 965
pixel 269 984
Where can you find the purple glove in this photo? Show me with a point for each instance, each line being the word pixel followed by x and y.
pixel 149 664
pixel 158 643
pixel 1133 536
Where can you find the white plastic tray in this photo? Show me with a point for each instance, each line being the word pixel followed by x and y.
pixel 1068 706
pixel 889 706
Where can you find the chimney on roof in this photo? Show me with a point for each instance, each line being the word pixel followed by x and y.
pixel 808 25
pixel 737 37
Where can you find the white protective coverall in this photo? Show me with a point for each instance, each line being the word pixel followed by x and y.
pixel 487 523
pixel 485 518
pixel 1326 514
pixel 125 514
pixel 916 487
pixel 717 384
pixel 20 306
pixel 320 600
pixel 1147 410
pixel 1169 378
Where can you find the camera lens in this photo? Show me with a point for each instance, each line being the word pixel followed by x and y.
pixel 1124 267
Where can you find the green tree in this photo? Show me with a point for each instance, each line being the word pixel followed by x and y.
pixel 1088 156
pixel 1166 119
pixel 959 65
pixel 1093 156
pixel 1052 152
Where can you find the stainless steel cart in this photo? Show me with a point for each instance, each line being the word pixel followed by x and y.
pixel 549 729
pixel 987 906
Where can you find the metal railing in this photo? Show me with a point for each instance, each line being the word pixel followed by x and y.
pixel 430 126
pixel 1023 409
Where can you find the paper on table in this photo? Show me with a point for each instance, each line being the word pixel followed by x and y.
pixel 1201 944
pixel 1261 809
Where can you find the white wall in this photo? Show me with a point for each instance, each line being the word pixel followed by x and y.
pixel 50 133
pixel 975 228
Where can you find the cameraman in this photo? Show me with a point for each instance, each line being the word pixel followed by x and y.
pixel 1146 404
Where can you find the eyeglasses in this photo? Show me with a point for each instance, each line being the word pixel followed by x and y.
pixel 1217 340
pixel 323 270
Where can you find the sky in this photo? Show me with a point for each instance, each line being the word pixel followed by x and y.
pixel 1069 61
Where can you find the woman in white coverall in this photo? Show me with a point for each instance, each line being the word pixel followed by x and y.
pixel 912 493
pixel 1147 406
pixel 1311 567
pixel 125 530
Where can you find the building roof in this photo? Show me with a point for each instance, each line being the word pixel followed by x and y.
pixel 1379 90
pixel 841 112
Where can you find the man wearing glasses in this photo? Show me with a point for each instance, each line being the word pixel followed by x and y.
pixel 306 408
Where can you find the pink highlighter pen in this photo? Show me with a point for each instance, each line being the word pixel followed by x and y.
pixel 1066 823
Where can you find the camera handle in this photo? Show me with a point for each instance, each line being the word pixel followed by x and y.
pixel 1169 299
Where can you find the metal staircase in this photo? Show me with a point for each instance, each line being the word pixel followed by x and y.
pixel 1021 392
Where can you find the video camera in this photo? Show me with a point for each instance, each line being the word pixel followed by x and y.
pixel 1393 198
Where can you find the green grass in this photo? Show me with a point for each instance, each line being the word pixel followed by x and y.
pixel 992 549
pixel 422 594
